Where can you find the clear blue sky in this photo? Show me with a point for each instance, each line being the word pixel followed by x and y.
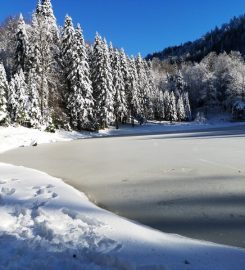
pixel 139 25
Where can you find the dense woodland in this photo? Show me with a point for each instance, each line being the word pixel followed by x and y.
pixel 50 77
pixel 227 38
pixel 217 81
pixel 211 70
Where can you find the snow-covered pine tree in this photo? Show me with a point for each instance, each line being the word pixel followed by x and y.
pixel 150 89
pixel 84 84
pixel 18 99
pixel 172 108
pixel 124 65
pixel 21 52
pixel 34 110
pixel 143 86
pixel 120 106
pixel 102 83
pixel 12 99
pixel 3 95
pixel 158 106
pixel 179 82
pixel 187 106
pixel 79 94
pixel 44 50
pixel 45 9
pixel 67 45
pixel 166 103
pixel 133 96
pixel 180 109
pixel 68 56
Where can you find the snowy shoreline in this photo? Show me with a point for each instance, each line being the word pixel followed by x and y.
pixel 13 137
pixel 47 223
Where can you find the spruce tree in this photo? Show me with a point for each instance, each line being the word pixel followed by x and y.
pixel 124 66
pixel 142 83
pixel 181 109
pixel 158 106
pixel 3 95
pixel 120 106
pixel 18 99
pixel 83 83
pixel 166 102
pixel 45 10
pixel 67 45
pixel 43 56
pixel 150 89
pixel 187 106
pixel 102 83
pixel 133 92
pixel 79 94
pixel 12 99
pixel 34 110
pixel 21 52
pixel 172 108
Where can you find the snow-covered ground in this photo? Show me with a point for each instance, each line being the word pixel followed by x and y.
pixel 44 223
pixel 13 137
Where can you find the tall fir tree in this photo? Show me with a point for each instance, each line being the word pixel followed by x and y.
pixel 84 85
pixel 172 108
pixel 187 106
pixel 166 102
pixel 67 45
pixel 134 104
pixel 79 95
pixel 3 95
pixel 34 109
pixel 124 66
pixel 142 83
pixel 120 104
pixel 159 106
pixel 18 99
pixel 44 51
pixel 180 109
pixel 45 10
pixel 102 83
pixel 150 90
pixel 22 46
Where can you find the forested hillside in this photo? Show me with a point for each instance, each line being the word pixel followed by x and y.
pixel 217 81
pixel 51 78
pixel 211 70
pixel 229 37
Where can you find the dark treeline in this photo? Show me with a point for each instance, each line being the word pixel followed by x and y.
pixel 229 37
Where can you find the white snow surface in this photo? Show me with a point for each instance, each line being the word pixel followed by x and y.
pixel 47 224
pixel 13 137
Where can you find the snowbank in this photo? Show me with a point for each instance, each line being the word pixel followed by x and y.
pixel 47 224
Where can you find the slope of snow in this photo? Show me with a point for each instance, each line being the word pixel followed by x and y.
pixel 46 224
pixel 12 137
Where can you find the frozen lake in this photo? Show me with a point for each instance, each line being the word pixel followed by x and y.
pixel 188 183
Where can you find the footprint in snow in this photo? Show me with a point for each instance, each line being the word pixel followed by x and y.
pixel 8 191
pixel 54 195
pixel 43 195
pixel 36 187
pixel 3 182
pixel 108 245
pixel 50 186
pixel 15 180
